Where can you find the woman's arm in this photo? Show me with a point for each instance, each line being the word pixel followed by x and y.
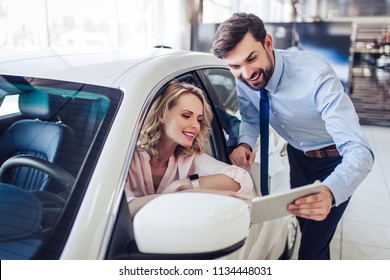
pixel 218 182
pixel 213 175
pixel 218 175
pixel 214 182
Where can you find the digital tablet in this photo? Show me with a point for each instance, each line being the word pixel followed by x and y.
pixel 275 205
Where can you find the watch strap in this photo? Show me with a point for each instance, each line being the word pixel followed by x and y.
pixel 194 180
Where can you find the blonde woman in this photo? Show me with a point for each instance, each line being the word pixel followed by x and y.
pixel 170 155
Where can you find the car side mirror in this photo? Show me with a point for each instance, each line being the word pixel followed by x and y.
pixel 191 223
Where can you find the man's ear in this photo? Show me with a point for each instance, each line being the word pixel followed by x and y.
pixel 268 42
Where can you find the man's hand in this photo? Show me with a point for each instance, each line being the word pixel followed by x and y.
pixel 242 156
pixel 314 207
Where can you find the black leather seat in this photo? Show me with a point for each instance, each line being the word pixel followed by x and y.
pixel 35 136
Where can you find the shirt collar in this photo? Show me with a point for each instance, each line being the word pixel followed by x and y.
pixel 277 74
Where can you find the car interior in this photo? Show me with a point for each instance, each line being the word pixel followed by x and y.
pixel 35 136
pixel 50 122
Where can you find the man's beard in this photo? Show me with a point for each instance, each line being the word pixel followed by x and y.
pixel 267 73
pixel 266 76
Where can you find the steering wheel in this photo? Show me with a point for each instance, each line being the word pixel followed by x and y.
pixel 53 170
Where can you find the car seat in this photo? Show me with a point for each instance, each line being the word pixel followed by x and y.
pixel 34 135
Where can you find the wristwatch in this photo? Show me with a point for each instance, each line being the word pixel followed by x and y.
pixel 194 180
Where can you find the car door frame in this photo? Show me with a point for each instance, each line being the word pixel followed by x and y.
pixel 122 243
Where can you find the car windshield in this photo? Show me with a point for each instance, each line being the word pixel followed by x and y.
pixel 51 134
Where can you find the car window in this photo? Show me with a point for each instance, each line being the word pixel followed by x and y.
pixel 223 93
pixel 51 133
pixel 9 105
pixel 224 85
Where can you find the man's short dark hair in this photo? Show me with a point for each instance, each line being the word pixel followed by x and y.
pixel 231 31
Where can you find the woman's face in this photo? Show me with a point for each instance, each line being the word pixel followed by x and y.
pixel 182 123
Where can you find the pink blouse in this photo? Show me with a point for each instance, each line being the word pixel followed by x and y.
pixel 139 180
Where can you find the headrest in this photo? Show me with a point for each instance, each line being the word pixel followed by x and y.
pixel 35 105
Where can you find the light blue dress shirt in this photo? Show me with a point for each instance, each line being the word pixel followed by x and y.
pixel 310 110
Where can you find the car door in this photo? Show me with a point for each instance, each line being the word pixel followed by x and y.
pixel 123 243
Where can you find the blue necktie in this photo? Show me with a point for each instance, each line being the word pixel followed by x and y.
pixel 264 135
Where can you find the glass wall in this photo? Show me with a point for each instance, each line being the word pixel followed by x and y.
pixel 90 23
pixel 146 23
pixel 216 11
pixel 22 23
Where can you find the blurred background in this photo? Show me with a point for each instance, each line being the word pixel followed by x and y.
pixel 354 35
pixel 143 23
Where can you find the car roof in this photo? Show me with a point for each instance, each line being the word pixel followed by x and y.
pixel 104 68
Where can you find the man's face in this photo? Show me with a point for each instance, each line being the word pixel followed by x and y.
pixel 252 62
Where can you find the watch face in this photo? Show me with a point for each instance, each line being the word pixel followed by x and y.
pixel 194 177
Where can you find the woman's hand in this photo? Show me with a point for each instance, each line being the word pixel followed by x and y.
pixel 178 185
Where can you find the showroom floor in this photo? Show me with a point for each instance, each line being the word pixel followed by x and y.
pixel 364 231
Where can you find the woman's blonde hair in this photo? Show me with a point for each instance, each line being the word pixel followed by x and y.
pixel 152 129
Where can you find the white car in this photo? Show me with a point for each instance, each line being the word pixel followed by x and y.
pixel 68 128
